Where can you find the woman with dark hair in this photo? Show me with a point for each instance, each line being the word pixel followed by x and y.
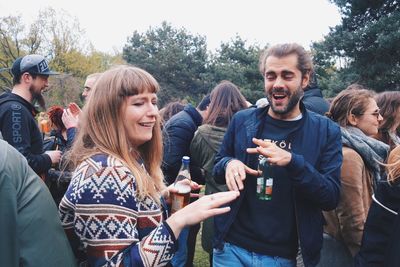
pixel 114 211
pixel 64 135
pixel 226 100
pixel 358 115
pixel 380 244
pixel 389 104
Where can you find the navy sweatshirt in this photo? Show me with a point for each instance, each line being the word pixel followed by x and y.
pixel 19 128
pixel 268 227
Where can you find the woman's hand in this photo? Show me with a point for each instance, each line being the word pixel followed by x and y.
pixel 201 209
pixel 75 109
pixel 171 189
pixel 69 119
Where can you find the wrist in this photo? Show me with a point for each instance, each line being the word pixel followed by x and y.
pixel 176 223
pixel 227 162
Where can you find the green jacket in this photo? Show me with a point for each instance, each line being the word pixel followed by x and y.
pixel 30 228
pixel 204 147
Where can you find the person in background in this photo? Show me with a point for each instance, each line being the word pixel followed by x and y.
pixel 303 155
pixel 380 242
pixel 226 100
pixel 64 134
pixel 89 84
pixel 114 211
pixel 170 110
pixel 358 115
pixel 61 138
pixel 30 229
pixel 262 102
pixel 313 99
pixel 389 105
pixel 17 112
pixel 178 132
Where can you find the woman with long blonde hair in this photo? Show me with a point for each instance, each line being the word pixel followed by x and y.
pixel 114 210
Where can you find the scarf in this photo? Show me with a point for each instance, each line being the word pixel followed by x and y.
pixel 372 151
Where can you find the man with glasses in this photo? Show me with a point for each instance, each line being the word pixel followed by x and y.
pixel 17 112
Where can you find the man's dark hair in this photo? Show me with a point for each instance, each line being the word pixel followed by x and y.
pixel 204 103
pixel 17 78
pixel 313 82
pixel 304 61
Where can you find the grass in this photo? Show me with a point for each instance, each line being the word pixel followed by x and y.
pixel 200 256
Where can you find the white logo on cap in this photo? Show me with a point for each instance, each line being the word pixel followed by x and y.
pixel 42 66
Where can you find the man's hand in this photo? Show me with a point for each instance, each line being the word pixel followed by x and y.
pixel 274 154
pixel 235 173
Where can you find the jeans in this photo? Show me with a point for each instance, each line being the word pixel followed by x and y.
pixel 179 260
pixel 233 256
pixel 334 253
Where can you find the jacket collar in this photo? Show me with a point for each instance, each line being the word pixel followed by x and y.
pixel 194 114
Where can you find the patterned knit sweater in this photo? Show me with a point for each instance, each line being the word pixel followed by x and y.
pixel 102 215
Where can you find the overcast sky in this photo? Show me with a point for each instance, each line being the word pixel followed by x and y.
pixel 108 24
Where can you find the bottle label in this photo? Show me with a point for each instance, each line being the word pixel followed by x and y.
pixel 260 185
pixel 268 188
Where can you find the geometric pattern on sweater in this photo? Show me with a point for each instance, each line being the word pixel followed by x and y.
pixel 100 208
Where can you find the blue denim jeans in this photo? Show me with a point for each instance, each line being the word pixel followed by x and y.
pixel 179 260
pixel 335 253
pixel 233 256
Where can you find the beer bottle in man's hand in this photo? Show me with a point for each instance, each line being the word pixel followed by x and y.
pixel 182 183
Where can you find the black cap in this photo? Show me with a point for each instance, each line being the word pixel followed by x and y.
pixel 33 64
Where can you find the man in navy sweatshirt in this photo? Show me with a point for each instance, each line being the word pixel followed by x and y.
pixel 17 112
pixel 303 151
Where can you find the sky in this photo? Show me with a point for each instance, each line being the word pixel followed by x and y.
pixel 108 24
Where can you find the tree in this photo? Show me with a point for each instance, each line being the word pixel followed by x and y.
pixel 364 48
pixel 176 58
pixel 239 64
pixel 58 37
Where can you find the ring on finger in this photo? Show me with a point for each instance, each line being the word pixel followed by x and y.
pixel 235 175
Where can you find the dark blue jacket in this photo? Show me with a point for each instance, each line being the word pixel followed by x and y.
pixel 314 169
pixel 380 244
pixel 314 101
pixel 178 133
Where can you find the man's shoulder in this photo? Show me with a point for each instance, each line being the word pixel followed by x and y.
pixel 316 118
pixel 181 120
pixel 248 113
pixel 10 103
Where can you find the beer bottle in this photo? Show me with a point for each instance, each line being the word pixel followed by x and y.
pixel 265 180
pixel 182 183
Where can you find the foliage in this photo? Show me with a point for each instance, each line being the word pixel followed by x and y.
pixel 364 48
pixel 239 64
pixel 180 63
pixel 58 37
pixel 174 57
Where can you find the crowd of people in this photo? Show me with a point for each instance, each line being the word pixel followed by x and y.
pixel 293 180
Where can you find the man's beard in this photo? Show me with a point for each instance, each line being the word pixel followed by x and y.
pixel 38 97
pixel 294 98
